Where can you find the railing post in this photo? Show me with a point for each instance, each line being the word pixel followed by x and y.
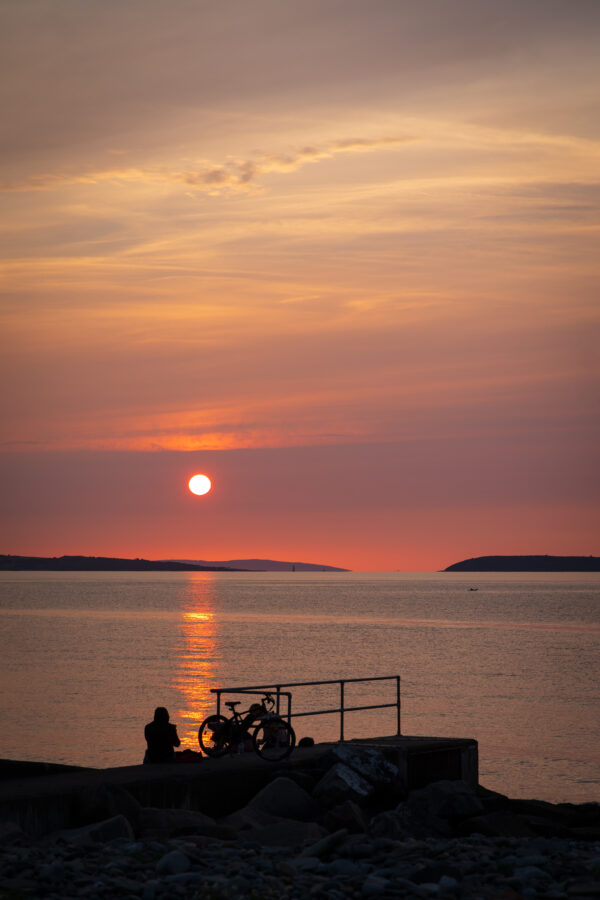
pixel 398 703
pixel 289 715
pixel 341 711
pixel 218 702
pixel 278 689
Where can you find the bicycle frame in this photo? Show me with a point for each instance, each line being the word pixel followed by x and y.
pixel 239 722
pixel 271 737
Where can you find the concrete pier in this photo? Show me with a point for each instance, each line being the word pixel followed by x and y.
pixel 43 803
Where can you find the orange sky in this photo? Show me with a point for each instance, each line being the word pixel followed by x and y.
pixel 341 256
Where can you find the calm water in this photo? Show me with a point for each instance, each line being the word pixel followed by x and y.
pixel 85 658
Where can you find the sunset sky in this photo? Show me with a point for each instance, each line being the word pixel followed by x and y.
pixel 339 255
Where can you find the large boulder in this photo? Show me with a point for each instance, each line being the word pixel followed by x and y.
pixel 445 800
pixel 324 845
pixel 166 823
pixel 105 801
pixel 346 815
pixel 248 818
pixel 369 762
pixel 97 832
pixel 342 783
pixel 283 797
pixel 432 811
pixel 403 823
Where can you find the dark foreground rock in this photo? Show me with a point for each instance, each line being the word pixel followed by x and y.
pixel 344 831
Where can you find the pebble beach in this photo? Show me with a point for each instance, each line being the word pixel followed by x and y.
pixel 346 830
pixel 357 866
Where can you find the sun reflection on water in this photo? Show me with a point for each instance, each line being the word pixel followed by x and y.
pixel 198 657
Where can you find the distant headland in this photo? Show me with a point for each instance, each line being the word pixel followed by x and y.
pixel 97 564
pixel 264 565
pixel 9 563
pixel 527 564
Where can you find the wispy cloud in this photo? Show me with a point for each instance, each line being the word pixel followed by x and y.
pixel 234 174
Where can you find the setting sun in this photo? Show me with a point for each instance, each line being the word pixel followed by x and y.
pixel 199 484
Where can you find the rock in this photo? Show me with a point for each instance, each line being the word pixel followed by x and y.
pixel 52 872
pixel 445 800
pixel 306 780
pixel 588 833
pixel 326 844
pixel 123 886
pixel 97 832
pixel 341 783
pixel 283 797
pixel 586 890
pixel 150 889
pixel 105 802
pixel 248 818
pixel 390 824
pixel 286 833
pixel 496 824
pixel 491 800
pixel 18 886
pixel 173 863
pixel 218 832
pixel 529 873
pixel 11 833
pixel 546 827
pixel 373 886
pixel 344 868
pixel 308 864
pixel 432 873
pixel 404 822
pixel 346 815
pixel 368 762
pixel 448 884
pixel 169 822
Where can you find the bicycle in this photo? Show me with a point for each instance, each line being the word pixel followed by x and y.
pixel 273 738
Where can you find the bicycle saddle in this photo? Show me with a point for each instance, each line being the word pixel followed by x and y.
pixel 232 703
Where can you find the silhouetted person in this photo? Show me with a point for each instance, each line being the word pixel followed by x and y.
pixel 161 738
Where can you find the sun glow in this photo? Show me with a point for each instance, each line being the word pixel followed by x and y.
pixel 199 484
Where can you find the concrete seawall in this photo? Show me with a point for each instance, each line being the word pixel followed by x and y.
pixel 48 802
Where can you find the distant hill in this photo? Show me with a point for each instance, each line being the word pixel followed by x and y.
pixel 527 564
pixel 265 565
pixel 97 564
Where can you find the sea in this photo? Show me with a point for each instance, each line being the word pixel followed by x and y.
pixel 511 660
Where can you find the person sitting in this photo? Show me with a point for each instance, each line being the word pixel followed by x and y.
pixel 161 738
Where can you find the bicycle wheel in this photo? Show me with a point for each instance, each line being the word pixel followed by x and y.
pixel 213 735
pixel 273 739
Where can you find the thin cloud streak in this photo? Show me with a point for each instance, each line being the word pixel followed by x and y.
pixel 235 174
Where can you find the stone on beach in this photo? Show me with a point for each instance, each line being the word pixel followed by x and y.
pixel 369 762
pixel 105 801
pixel 173 863
pixel 155 822
pixel 107 830
pixel 283 797
pixel 347 815
pixel 340 783
pixel 286 833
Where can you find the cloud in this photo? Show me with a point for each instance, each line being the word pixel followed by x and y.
pixel 233 175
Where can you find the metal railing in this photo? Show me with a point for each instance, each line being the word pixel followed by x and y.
pixel 280 691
